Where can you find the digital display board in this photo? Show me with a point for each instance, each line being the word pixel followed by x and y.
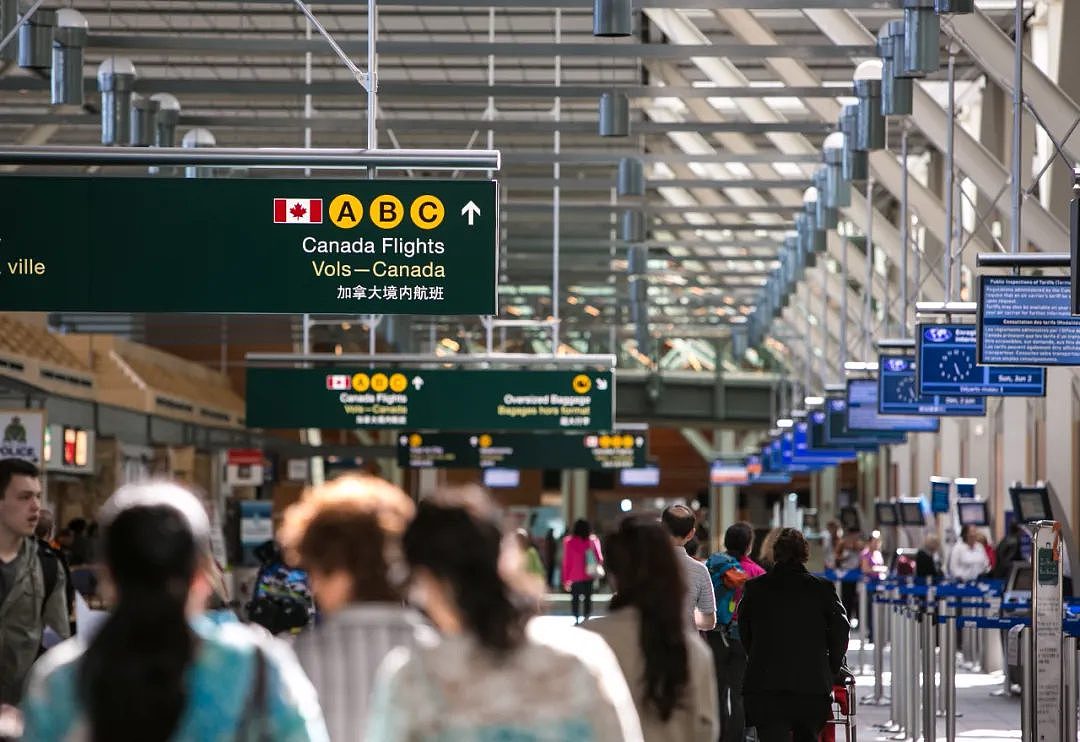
pixel 898 392
pixel 495 478
pixel 837 432
pixel 618 450
pixel 973 513
pixel 862 412
pixel 804 452
pixel 729 474
pixel 965 487
pixel 940 491
pixel 646 476
pixel 1027 321
pixel 947 365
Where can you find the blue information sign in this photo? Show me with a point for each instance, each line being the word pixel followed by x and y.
pixel 940 489
pixel 804 452
pixel 862 412
pixel 965 487
pixel 898 392
pixel 1027 321
pixel 838 434
pixel 947 365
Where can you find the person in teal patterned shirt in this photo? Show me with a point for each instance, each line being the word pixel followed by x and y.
pixel 158 670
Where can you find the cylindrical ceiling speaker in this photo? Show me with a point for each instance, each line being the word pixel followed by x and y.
pixel 116 80
pixel 612 18
pixel 68 42
pixel 869 121
pixel 897 93
pixel 922 39
pixel 632 225
pixel 197 139
pixel 837 189
pixel 631 177
pixel 614 114
pixel 856 164
pixel 35 40
pixel 166 119
pixel 143 120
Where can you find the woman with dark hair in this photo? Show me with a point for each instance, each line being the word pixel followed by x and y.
pixel 795 633
pixel 668 666
pixel 576 576
pixel 157 670
pixel 494 674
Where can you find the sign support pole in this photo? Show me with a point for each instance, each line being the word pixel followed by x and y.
pixel 1045 647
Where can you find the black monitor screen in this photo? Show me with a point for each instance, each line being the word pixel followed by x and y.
pixel 1020 579
pixel 849 519
pixel 886 513
pixel 1031 503
pixel 973 513
pixel 911 513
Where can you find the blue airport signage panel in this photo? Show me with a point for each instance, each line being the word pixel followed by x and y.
pixel 898 392
pixel 1027 321
pixel 947 365
pixel 939 495
pixel 862 412
pixel 837 432
pixel 804 451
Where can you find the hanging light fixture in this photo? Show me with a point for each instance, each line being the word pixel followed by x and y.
pixel 197 139
pixel 837 188
pixel 897 93
pixel 815 232
pixel 856 163
pixel 614 114
pixel 922 39
pixel 166 119
pixel 632 225
pixel 631 177
pixel 143 120
pixel 869 122
pixel 826 216
pixel 612 18
pixel 116 78
pixel 35 40
pixel 68 42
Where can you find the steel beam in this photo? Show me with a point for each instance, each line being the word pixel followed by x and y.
pixel 600 184
pixel 601 157
pixel 200 45
pixel 652 208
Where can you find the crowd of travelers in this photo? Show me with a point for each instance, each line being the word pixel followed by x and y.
pixel 427 627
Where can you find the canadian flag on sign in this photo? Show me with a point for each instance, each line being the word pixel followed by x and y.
pixel 337 381
pixel 297 211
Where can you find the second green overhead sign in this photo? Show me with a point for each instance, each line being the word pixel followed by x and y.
pixel 430 399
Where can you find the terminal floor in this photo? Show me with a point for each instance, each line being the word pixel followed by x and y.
pixel 983 717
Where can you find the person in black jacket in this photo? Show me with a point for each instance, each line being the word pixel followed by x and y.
pixel 926 563
pixel 1007 552
pixel 795 633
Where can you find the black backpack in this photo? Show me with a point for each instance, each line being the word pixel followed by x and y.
pixel 50 569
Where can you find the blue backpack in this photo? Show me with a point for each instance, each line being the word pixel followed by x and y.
pixel 718 565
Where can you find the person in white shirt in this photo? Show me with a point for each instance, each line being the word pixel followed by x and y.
pixel 968 559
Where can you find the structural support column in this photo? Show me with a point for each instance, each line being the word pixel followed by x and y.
pixel 828 481
pixel 575 494
pixel 726 499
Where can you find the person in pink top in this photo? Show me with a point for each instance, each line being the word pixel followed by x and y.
pixel 576 576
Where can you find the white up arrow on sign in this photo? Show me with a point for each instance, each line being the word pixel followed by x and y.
pixel 470 211
pixel 417 382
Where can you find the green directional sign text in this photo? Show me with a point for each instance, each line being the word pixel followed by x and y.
pixel 430 399
pixel 248 245
pixel 619 450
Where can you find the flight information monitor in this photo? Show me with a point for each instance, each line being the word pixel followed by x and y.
pixel 946 365
pixel 495 478
pixel 862 412
pixel 1027 321
pixel 886 514
pixel 898 392
pixel 646 476
pixel 973 513
pixel 1031 504
pixel 805 452
pixel 729 473
pixel 837 432
pixel 912 512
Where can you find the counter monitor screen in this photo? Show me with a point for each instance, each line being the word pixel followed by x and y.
pixel 849 518
pixel 1031 504
pixel 1020 579
pixel 862 412
pixel 886 514
pixel 911 512
pixel 973 513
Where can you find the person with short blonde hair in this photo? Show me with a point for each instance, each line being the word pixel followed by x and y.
pixel 347 535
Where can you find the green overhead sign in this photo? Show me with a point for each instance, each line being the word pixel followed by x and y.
pixel 248 245
pixel 618 450
pixel 430 399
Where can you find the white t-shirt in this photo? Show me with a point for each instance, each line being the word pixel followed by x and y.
pixel 968 562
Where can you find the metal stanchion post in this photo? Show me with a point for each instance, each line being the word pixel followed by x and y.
pixel 896 662
pixel 1026 688
pixel 1069 672
pixel 879 652
pixel 929 692
pixel 948 670
pixel 914 692
pixel 864 633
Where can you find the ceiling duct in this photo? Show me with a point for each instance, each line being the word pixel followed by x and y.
pixel 922 39
pixel 614 114
pixel 35 40
pixel 897 93
pixel 165 119
pixel 143 120
pixel 631 177
pixel 837 188
pixel 68 42
pixel 116 79
pixel 197 139
pixel 869 121
pixel 612 18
